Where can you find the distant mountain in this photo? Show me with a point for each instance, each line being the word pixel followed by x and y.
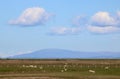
pixel 61 53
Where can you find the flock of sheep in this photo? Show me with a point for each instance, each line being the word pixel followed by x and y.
pixel 62 70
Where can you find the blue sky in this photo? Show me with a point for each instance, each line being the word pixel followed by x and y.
pixel 82 25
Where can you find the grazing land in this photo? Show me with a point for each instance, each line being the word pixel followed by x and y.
pixel 60 69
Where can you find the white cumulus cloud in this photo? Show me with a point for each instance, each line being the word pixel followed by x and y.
pixel 31 16
pixel 102 22
pixel 103 30
pixel 65 31
pixel 103 19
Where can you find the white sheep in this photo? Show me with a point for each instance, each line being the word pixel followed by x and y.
pixel 92 71
pixel 65 69
pixel 106 67
pixel 41 67
pixel 62 70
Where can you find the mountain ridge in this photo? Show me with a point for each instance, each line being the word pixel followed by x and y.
pixel 63 53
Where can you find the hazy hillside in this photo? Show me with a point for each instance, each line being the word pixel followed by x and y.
pixel 60 53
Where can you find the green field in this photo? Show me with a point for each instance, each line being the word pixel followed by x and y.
pixel 60 69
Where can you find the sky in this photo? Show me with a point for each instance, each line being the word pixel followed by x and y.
pixel 80 25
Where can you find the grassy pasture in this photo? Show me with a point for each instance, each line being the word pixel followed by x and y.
pixel 60 69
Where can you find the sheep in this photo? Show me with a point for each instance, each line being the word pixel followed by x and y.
pixel 41 67
pixel 65 69
pixel 106 67
pixel 92 71
pixel 23 66
pixel 62 70
pixel 30 66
